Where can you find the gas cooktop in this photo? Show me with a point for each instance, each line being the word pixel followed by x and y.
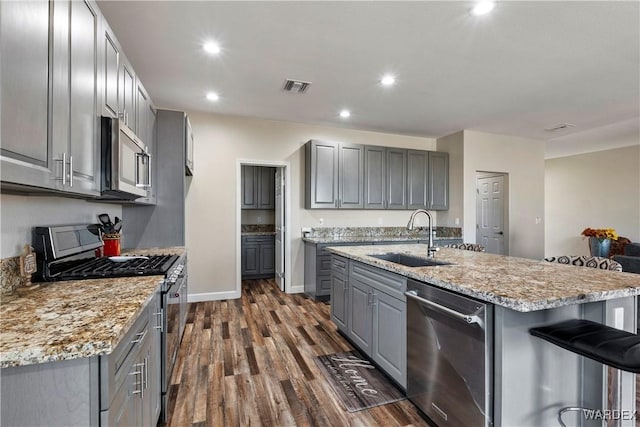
pixel 104 268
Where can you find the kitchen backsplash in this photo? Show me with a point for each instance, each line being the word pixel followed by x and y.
pixel 10 278
pixel 323 232
pixel 257 228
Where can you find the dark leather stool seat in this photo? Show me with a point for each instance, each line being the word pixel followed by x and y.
pixel 604 344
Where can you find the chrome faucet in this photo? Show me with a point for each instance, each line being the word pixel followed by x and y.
pixel 431 250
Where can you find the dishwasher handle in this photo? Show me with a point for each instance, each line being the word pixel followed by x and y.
pixel 468 318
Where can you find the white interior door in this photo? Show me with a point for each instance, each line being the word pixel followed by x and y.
pixel 280 227
pixel 490 209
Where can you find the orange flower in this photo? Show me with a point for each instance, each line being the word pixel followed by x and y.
pixel 600 233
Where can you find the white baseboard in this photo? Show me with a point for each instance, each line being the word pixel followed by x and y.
pixel 213 296
pixel 297 289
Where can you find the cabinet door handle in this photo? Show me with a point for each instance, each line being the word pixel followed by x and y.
pixel 138 383
pixel 70 171
pixel 159 321
pixel 146 372
pixel 140 337
pixel 373 299
pixel 64 169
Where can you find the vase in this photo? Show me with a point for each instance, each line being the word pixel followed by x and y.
pixel 599 247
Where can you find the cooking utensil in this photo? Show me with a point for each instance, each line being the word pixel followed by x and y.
pixel 106 222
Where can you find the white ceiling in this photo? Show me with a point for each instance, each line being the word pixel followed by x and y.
pixel 527 66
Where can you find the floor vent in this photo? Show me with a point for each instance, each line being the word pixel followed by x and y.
pixel 295 86
pixel 561 126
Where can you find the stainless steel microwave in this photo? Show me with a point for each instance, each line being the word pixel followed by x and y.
pixel 126 162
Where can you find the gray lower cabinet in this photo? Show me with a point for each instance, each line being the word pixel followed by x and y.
pixel 334 175
pixel 258 185
pixel 317 269
pixel 339 292
pixel 374 311
pixel 258 257
pixel 120 389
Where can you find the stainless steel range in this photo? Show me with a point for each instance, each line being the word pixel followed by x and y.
pixel 69 253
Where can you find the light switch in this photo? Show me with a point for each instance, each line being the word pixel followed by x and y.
pixel 618 318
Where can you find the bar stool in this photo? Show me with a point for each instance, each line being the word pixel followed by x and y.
pixel 609 346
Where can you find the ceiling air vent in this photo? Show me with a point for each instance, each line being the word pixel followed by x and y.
pixel 295 86
pixel 559 127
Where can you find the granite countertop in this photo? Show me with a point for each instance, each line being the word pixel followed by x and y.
pixel 258 233
pixel 365 239
pixel 517 283
pixel 76 318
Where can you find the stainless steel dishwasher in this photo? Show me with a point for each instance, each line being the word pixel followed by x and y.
pixel 449 356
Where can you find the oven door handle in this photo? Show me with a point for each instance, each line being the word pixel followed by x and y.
pixel 467 318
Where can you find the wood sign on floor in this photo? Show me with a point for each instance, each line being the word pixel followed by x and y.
pixel 357 382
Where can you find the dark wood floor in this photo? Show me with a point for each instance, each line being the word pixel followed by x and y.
pixel 250 362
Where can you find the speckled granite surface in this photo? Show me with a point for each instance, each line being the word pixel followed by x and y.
pixel 377 234
pixel 257 228
pixel 72 319
pixel 516 283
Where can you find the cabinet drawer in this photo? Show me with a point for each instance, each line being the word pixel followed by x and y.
pixel 115 367
pixel 324 265
pixel 324 285
pixel 258 240
pixel 384 281
pixel 339 264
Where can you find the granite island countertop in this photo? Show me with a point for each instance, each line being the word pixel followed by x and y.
pixel 76 318
pixel 517 283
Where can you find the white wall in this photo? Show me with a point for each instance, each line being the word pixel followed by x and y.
pixel 523 160
pixel 19 214
pixel 211 201
pixel 258 216
pixel 597 190
pixel 454 145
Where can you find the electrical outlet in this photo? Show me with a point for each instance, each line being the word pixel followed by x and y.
pixel 537 220
pixel 380 221
pixel 457 221
pixel 321 220
pixel 618 318
pixel 259 219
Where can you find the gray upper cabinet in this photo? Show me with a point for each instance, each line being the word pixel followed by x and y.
pixel 75 123
pixel 110 72
pixel 417 179
pixel 396 178
pixel 350 176
pixel 321 175
pixel 127 98
pixel 266 187
pixel 26 158
pixel 334 175
pixel 438 180
pixel 258 185
pixel 143 104
pixel 374 177
pixel 249 184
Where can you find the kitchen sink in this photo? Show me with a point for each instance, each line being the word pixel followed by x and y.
pixel 408 260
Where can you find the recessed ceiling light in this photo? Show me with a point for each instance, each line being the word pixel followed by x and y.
pixel 211 47
pixel 387 80
pixel 345 114
pixel 482 8
pixel 212 96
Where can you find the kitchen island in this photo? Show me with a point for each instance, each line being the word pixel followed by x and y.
pixel 528 380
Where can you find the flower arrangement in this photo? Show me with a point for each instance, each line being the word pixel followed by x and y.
pixel 600 233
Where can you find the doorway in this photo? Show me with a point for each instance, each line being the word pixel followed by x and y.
pixel 273 215
pixel 492 212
